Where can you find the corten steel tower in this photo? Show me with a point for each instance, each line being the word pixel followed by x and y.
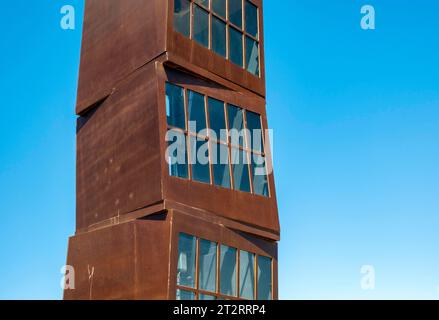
pixel 147 227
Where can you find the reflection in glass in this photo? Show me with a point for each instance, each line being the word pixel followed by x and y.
pixel 185 295
pixel 220 165
pixel 175 106
pixel 252 56
pixel 255 130
pixel 251 19
pixel 264 278
pixel 203 2
pixel 177 154
pixel 246 275
pixel 196 112
pixel 240 170
pixel 219 7
pixel 259 175
pixel 199 155
pixel 207 265
pixel 206 297
pixel 186 260
pixel 182 17
pixel 235 12
pixel 219 37
pixel 201 26
pixel 217 119
pixel 236 125
pixel 235 46
pixel 228 271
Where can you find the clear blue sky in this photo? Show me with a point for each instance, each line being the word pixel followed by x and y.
pixel 355 116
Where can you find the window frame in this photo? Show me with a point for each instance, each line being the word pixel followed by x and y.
pixel 246 148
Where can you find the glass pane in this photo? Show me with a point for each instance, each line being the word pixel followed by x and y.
pixel 182 17
pixel 251 19
pixel 228 271
pixel 219 7
pixel 196 112
pixel 185 295
pixel 246 275
pixel 203 2
pixel 200 159
pixel 255 131
pixel 177 154
pixel 264 278
pixel 207 265
pixel 235 46
pixel 201 26
pixel 217 119
pixel 175 106
pixel 240 170
pixel 206 297
pixel 220 165
pixel 186 260
pixel 219 37
pixel 259 174
pixel 252 56
pixel 236 125
pixel 235 12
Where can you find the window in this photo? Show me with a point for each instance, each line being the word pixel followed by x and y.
pixel 219 7
pixel 254 125
pixel 220 164
pixel 196 112
pixel 175 106
pixel 185 295
pixel 215 21
pixel 259 175
pixel 235 40
pixel 199 152
pixel 219 45
pixel 235 12
pixel 207 266
pixel 228 271
pixel 200 257
pixel 251 19
pixel 217 119
pixel 186 261
pixel 251 56
pixel 177 154
pixel 203 2
pixel 215 143
pixel 240 170
pixel 182 17
pixel 236 125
